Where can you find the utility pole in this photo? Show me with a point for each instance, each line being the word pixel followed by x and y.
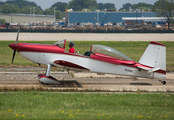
pixel 30 17
pixel 11 16
pixel 54 16
pixel 136 19
pixel 97 17
pixel 34 14
pixel 0 13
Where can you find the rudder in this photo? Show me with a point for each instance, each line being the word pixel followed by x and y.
pixel 155 57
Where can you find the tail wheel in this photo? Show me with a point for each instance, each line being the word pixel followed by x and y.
pixel 163 82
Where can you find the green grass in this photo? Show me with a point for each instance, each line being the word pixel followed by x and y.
pixel 35 105
pixel 133 49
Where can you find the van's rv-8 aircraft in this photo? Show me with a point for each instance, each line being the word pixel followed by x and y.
pixel 101 59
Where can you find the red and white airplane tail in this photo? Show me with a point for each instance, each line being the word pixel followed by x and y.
pixel 155 58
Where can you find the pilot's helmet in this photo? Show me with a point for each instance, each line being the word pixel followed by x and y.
pixel 71 43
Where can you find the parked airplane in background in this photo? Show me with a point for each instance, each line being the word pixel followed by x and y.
pixel 100 59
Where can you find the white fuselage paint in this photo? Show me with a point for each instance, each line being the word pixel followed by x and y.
pixel 91 64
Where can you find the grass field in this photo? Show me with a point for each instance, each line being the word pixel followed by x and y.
pixel 133 49
pixel 36 105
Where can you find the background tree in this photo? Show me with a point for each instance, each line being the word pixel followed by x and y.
pixel 2 21
pixel 38 10
pixel 59 14
pixel 126 6
pixel 9 8
pixel 61 6
pixel 22 3
pixel 102 6
pixel 140 5
pixel 165 8
pixel 109 6
pixel 26 10
pixel 78 5
pixel 19 6
pixel 50 11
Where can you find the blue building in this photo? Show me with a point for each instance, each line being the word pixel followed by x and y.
pixel 104 17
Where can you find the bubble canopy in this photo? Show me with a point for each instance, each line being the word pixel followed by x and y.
pixel 61 43
pixel 101 49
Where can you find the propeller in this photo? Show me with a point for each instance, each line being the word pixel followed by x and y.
pixel 17 35
pixel 14 52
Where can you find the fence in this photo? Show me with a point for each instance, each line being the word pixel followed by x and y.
pixel 88 31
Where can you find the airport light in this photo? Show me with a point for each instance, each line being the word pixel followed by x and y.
pixel 55 16
pixel 97 16
pixel 34 14
pixel 0 13
pixel 136 18
pixel 11 16
pixel 30 16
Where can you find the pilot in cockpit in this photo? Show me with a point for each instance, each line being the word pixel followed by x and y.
pixel 71 45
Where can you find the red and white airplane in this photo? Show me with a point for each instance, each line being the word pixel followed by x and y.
pixel 101 59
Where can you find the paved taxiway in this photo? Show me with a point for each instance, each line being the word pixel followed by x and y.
pixel 88 81
pixel 87 37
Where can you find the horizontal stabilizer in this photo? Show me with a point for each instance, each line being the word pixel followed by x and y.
pixel 144 68
pixel 154 69
pixel 150 70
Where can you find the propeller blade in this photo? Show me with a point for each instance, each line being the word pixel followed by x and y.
pixel 14 52
pixel 17 35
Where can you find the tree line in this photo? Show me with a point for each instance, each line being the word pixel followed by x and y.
pixel 139 6
pixel 23 6
pixel 164 8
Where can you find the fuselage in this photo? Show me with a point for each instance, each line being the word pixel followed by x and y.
pixel 49 54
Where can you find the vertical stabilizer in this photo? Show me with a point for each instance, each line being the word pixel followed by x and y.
pixel 155 57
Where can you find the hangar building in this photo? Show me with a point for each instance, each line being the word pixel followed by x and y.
pixel 103 17
pixel 25 18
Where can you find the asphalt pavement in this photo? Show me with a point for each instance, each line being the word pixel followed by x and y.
pixel 24 77
pixel 87 37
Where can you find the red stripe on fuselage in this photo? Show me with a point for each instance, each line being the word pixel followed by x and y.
pixel 69 64
pixel 28 47
pixel 112 60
